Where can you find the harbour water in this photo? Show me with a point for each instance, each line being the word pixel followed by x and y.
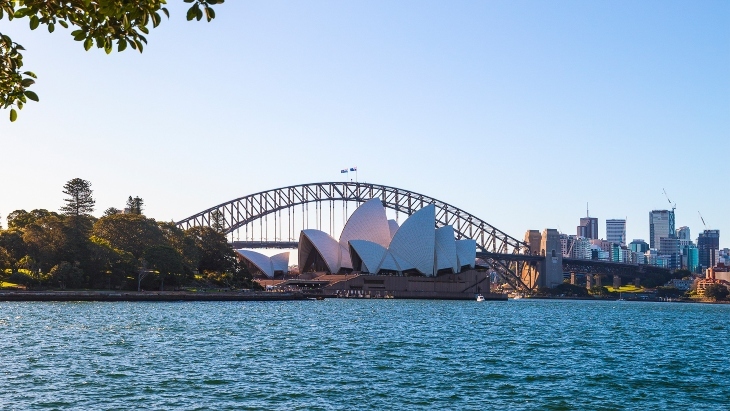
pixel 365 354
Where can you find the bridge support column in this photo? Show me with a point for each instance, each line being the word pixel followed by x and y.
pixel 637 282
pixel 572 278
pixel 597 277
pixel 616 281
pixel 589 281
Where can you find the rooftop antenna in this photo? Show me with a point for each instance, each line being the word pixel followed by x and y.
pixel 587 213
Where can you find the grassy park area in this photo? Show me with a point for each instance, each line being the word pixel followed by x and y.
pixel 629 288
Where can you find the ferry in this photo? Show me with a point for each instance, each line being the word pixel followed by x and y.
pixel 480 298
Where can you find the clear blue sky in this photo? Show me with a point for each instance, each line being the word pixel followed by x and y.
pixel 519 112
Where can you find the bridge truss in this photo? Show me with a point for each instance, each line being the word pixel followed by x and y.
pixel 232 215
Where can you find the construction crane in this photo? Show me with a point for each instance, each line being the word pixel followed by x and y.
pixel 674 206
pixel 703 220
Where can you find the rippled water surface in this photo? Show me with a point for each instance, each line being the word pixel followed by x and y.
pixel 365 354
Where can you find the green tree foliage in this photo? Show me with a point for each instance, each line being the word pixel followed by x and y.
pixel 67 275
pixel 104 23
pixel 78 251
pixel 12 241
pixel 135 205
pixel 217 221
pixel 111 211
pixel 80 200
pixel 132 233
pixel 669 292
pixel 22 218
pixel 165 260
pixel 214 252
pixel 716 292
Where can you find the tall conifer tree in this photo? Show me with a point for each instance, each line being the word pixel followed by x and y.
pixel 80 200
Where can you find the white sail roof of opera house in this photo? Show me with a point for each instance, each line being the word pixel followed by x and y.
pixel 367 254
pixel 446 249
pixel 368 222
pixel 466 252
pixel 393 226
pixel 414 241
pixel 267 265
pixel 319 248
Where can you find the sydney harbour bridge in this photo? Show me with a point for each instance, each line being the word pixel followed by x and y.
pixel 273 218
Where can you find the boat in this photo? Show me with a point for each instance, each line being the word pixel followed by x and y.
pixel 480 298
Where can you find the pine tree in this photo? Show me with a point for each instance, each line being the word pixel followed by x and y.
pixel 80 201
pixel 134 205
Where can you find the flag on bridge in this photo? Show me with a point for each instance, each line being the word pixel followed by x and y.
pixel 343 171
pixel 353 168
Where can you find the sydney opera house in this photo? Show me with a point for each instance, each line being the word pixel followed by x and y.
pixel 372 244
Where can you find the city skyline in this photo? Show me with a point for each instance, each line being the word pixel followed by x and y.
pixel 296 95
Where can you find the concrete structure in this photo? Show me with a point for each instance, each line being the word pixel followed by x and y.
pixel 669 246
pixel 588 228
pixel 616 231
pixel 372 244
pixel 639 246
pixel 661 224
pixel 461 286
pixel 551 273
pixel 262 265
pixel 708 243
pixel 683 233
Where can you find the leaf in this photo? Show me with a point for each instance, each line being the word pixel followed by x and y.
pixel 122 45
pixel 31 74
pixel 88 43
pixel 78 35
pixel 64 24
pixel 13 115
pixel 34 22
pixel 27 82
pixel 209 13
pixel 31 95
pixel 164 10
pixel 191 13
pixel 51 28
pixel 198 13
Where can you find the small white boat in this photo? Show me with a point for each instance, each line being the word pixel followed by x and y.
pixel 517 297
pixel 480 298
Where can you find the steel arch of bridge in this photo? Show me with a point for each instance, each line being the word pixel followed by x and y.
pixel 244 210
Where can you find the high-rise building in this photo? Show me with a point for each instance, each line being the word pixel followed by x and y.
pixel 639 246
pixel 707 244
pixel 669 247
pixel 683 233
pixel 690 258
pixel 588 228
pixel 616 231
pixel 661 224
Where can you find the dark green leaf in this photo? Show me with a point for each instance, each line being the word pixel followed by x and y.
pixel 191 13
pixel 34 22
pixel 64 24
pixel 27 82
pixel 122 45
pixel 13 114
pixel 51 27
pixel 31 95
pixel 88 43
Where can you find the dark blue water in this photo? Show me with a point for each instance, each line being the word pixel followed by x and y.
pixel 365 354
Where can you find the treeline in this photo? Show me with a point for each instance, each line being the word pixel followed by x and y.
pixel 73 249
